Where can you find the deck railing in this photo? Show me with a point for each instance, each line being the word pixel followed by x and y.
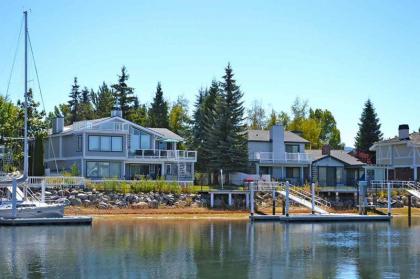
pixel 165 154
pixel 268 157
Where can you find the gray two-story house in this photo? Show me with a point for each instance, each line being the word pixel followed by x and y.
pixel 114 147
pixel 279 153
pixel 282 155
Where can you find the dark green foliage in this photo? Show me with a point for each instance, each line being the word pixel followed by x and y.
pixel 228 138
pixel 369 128
pixel 138 113
pixel 85 105
pixel 124 93
pixel 36 159
pixel 158 112
pixel 103 101
pixel 74 101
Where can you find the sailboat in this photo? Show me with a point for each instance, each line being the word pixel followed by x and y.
pixel 22 203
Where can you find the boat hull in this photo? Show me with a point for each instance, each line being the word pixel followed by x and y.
pixel 50 211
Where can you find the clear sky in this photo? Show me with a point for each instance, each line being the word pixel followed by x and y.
pixel 335 54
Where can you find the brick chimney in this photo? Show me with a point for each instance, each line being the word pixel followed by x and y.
pixel 326 150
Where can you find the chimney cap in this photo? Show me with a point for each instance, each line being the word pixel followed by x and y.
pixel 403 127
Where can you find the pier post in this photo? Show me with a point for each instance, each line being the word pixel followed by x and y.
pixel 274 202
pixel 251 193
pixel 230 199
pixel 247 200
pixel 409 210
pixel 211 199
pixel 313 197
pixel 287 198
pixel 283 207
pixel 14 189
pixel 43 191
pixel 389 199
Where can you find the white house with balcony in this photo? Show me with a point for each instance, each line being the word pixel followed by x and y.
pixel 279 153
pixel 114 147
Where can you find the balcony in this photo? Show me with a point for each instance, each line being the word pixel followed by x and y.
pixel 267 157
pixel 170 155
pixel 110 126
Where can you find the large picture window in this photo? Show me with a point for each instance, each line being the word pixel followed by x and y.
pixel 106 143
pixel 100 169
pixel 292 148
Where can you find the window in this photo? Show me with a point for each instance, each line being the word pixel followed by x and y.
pixel 94 143
pixel 79 144
pixel 292 148
pixel 145 141
pixel 292 172
pixel 103 169
pixel 117 144
pixel 168 169
pixel 105 143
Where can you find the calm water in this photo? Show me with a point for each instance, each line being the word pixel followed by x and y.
pixel 196 248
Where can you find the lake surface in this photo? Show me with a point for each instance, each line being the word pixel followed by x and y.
pixel 144 248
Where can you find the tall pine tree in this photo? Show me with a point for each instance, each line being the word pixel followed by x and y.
pixel 124 93
pixel 228 139
pixel 85 105
pixel 158 112
pixel 103 101
pixel 369 129
pixel 74 102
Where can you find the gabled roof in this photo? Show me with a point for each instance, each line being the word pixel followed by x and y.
pixel 414 139
pixel 340 155
pixel 168 134
pixel 159 132
pixel 264 135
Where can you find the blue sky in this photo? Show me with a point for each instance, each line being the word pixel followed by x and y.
pixel 335 54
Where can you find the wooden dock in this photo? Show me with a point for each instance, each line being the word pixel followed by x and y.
pixel 322 218
pixel 67 220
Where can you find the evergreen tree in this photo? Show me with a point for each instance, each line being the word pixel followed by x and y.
pixel 369 129
pixel 197 121
pixel 85 105
pixel 124 93
pixel 36 123
pixel 158 112
pixel 138 113
pixel 103 101
pixel 209 115
pixel 74 101
pixel 228 140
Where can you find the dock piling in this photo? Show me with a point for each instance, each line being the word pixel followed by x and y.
pixel 287 198
pixel 409 210
pixel 389 198
pixel 313 197
pixel 274 202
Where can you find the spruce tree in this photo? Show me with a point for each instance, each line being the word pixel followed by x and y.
pixel 228 140
pixel 74 101
pixel 209 116
pixel 158 112
pixel 124 93
pixel 138 113
pixel 85 105
pixel 103 101
pixel 369 129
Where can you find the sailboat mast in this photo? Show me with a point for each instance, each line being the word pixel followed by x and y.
pixel 26 147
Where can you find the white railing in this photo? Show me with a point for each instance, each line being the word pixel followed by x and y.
pixel 395 184
pixel 294 190
pixel 288 157
pixel 88 125
pixel 165 154
pixel 56 181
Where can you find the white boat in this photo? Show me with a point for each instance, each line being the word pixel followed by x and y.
pixel 28 209
pixel 23 204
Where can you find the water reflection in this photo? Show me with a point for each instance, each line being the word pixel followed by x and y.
pixel 236 249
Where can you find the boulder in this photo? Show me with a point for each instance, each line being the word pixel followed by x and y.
pixel 75 201
pixel 140 205
pixel 103 205
pixel 153 204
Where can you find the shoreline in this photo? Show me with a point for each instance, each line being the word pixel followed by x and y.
pixel 195 213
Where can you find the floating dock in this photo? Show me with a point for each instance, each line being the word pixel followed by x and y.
pixel 67 220
pixel 322 218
